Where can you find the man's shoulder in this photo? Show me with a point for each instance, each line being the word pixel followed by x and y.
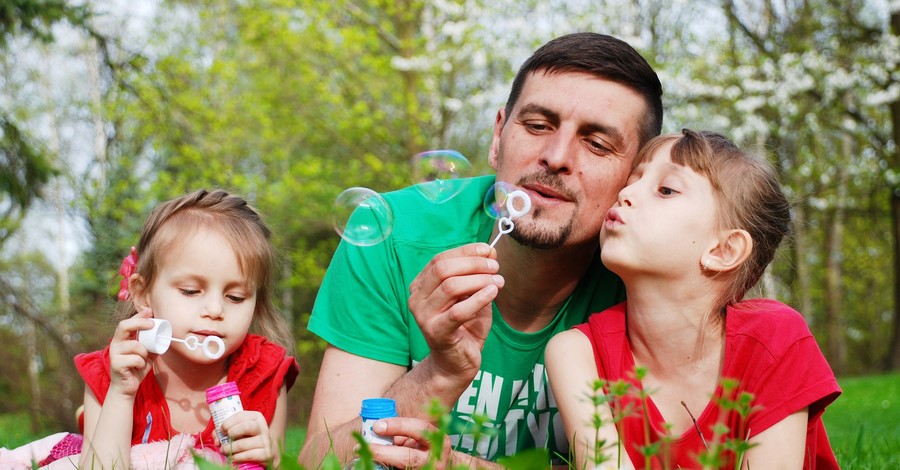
pixel 457 217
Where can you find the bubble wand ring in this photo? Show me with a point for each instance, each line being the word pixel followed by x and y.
pixel 192 342
pixel 158 339
pixel 506 224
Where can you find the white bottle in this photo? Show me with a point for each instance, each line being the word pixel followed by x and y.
pixel 371 411
pixel 224 400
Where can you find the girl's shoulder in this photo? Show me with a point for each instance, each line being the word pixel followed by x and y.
pixel 259 360
pixel 767 321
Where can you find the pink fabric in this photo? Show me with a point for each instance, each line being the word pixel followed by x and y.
pixel 176 454
pixel 23 457
pixel 69 445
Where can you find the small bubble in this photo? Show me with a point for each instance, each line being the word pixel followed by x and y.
pixel 885 404
pixel 438 174
pixel 362 217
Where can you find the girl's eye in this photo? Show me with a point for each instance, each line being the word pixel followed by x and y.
pixel 235 298
pixel 189 292
pixel 667 191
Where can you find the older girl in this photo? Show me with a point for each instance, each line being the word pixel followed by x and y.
pixel 693 230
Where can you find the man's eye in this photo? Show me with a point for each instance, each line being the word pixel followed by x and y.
pixel 537 126
pixel 598 147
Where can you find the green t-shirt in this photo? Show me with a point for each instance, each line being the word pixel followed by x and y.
pixel 362 308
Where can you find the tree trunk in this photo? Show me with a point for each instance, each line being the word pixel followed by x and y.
pixel 64 379
pixel 836 347
pixel 804 295
pixel 893 358
pixel 34 383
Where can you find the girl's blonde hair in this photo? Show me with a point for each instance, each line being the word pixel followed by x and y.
pixel 748 194
pixel 240 225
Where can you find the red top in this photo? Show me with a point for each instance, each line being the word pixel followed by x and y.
pixel 769 352
pixel 259 367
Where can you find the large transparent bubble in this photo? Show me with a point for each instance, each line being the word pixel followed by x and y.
pixel 362 217
pixel 439 174
pixel 497 204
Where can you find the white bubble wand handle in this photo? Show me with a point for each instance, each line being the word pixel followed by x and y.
pixel 158 339
pixel 505 224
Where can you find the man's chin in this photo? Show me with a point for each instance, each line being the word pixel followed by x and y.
pixel 546 239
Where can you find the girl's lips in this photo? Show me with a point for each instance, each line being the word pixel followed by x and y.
pixel 613 218
pixel 206 333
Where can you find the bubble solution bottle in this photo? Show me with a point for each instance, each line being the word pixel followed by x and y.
pixel 371 411
pixel 224 400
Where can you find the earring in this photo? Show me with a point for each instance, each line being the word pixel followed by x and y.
pixel 705 264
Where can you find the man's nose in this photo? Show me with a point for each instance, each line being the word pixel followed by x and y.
pixel 558 152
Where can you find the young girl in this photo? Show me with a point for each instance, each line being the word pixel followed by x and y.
pixel 694 228
pixel 204 263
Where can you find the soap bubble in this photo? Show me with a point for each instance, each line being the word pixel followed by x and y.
pixel 362 217
pixel 439 174
pixel 495 199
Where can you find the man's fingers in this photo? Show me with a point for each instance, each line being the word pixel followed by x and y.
pixel 399 457
pixel 445 325
pixel 477 258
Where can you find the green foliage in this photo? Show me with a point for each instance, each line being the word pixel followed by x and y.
pixel 36 17
pixel 289 102
pixel 24 169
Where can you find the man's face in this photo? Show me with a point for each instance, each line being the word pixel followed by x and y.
pixel 569 143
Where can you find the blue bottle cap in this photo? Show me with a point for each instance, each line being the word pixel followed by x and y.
pixel 377 408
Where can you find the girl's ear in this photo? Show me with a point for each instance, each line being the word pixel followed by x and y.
pixel 138 290
pixel 731 251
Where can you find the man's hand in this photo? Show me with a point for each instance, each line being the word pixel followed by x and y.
pixel 413 446
pixel 451 301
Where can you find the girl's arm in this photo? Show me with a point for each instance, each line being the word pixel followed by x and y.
pixel 571 369
pixel 107 443
pixel 107 428
pixel 782 446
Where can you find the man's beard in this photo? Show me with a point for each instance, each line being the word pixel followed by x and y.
pixel 530 234
pixel 542 239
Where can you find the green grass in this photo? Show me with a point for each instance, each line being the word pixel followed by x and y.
pixel 15 430
pixel 863 425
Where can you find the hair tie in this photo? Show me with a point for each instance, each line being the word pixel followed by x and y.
pixel 129 265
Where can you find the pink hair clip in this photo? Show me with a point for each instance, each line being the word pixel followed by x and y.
pixel 129 264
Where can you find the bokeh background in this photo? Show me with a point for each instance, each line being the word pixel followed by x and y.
pixel 109 106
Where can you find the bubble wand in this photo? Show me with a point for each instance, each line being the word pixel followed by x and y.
pixel 506 224
pixel 158 339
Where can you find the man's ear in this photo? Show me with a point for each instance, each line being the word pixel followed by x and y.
pixel 732 250
pixel 499 121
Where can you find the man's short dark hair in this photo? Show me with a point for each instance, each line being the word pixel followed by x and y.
pixel 601 55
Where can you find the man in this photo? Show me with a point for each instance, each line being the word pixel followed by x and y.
pixel 434 312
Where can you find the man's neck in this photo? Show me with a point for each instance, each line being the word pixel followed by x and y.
pixel 538 282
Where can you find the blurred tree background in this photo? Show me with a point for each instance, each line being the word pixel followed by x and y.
pixel 108 107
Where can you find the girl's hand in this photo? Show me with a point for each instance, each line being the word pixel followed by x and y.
pixel 250 439
pixel 128 359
